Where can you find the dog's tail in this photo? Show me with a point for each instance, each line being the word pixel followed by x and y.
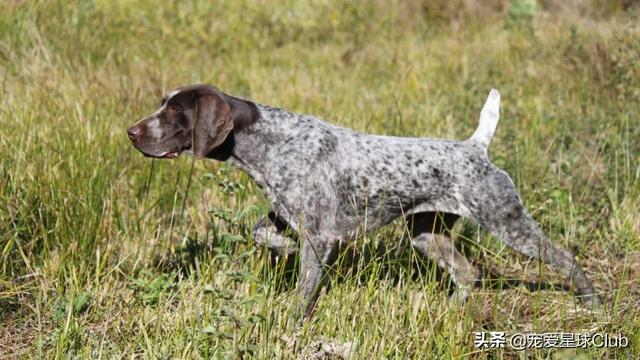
pixel 489 117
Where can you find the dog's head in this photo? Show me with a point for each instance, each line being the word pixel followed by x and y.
pixel 199 118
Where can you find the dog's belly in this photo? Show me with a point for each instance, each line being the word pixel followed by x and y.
pixel 378 204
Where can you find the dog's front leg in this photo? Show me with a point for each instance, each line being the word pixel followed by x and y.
pixel 316 255
pixel 274 233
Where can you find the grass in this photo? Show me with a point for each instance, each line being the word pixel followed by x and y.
pixel 107 254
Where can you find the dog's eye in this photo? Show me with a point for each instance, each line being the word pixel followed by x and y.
pixel 173 108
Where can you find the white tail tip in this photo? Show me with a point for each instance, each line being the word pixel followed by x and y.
pixel 489 117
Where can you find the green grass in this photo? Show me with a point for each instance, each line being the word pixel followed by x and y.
pixel 107 254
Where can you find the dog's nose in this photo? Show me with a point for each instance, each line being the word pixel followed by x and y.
pixel 133 132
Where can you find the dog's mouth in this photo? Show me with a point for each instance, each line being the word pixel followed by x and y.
pixel 171 155
pixel 163 154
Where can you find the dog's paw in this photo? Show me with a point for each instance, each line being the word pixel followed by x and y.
pixel 327 349
pixel 592 301
pixel 459 296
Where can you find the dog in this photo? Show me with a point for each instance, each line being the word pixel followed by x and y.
pixel 327 182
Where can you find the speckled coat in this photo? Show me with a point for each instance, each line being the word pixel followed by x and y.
pixel 328 183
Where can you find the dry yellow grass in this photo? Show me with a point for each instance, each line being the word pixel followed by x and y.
pixel 98 258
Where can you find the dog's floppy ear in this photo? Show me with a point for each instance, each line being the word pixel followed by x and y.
pixel 213 123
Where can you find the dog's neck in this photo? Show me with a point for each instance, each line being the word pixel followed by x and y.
pixel 249 145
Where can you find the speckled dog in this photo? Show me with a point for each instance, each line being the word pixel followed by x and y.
pixel 327 182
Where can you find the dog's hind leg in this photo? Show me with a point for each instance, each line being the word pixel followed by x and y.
pixel 498 208
pixel 431 237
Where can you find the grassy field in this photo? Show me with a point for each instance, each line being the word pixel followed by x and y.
pixel 107 254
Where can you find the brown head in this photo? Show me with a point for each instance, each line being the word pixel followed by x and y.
pixel 198 117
